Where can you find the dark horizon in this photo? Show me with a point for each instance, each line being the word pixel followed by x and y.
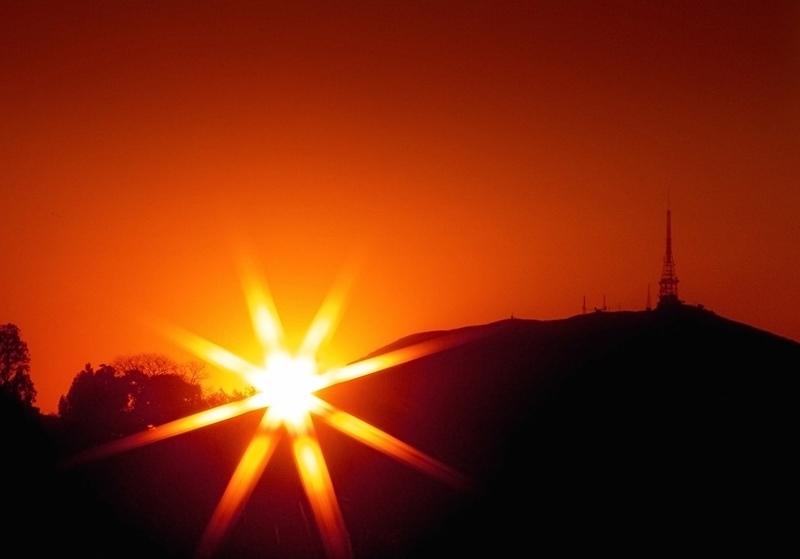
pixel 635 431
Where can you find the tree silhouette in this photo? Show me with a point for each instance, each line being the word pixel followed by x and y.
pixel 15 380
pixel 112 402
pixel 220 396
pixel 96 407
pixel 155 364
pixel 163 398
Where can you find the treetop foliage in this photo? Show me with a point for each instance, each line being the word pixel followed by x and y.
pixel 15 380
pixel 112 402
pixel 155 364
pixel 132 394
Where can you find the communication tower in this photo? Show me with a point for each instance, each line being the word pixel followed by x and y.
pixel 668 284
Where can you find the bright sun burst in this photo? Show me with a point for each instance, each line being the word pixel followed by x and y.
pixel 286 383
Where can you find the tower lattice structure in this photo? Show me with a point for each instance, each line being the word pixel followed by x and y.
pixel 668 284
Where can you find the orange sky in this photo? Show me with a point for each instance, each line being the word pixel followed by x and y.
pixel 480 158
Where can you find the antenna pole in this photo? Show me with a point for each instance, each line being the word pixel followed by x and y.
pixel 668 285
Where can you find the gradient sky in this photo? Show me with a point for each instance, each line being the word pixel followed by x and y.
pixel 475 159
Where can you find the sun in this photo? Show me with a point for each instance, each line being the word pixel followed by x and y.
pixel 286 382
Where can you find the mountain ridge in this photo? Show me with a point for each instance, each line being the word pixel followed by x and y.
pixel 699 310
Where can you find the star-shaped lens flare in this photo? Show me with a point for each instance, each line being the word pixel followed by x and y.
pixel 286 383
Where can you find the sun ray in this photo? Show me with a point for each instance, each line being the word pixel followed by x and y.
pixel 171 429
pixel 319 490
pixel 209 351
pixel 392 446
pixel 263 312
pixel 393 358
pixel 265 318
pixel 327 317
pixel 242 483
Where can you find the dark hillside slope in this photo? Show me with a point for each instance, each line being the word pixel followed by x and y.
pixel 629 433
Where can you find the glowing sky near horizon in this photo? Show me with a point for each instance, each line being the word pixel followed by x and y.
pixel 286 382
pixel 483 159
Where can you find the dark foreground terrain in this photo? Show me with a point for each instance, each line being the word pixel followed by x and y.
pixel 636 434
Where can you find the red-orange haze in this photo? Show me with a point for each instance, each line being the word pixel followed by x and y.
pixel 476 159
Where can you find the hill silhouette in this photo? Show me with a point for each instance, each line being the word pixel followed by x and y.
pixel 618 433
pixel 629 433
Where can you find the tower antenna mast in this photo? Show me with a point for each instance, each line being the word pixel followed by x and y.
pixel 668 284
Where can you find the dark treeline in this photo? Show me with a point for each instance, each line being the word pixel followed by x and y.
pixel 114 401
pixel 133 393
